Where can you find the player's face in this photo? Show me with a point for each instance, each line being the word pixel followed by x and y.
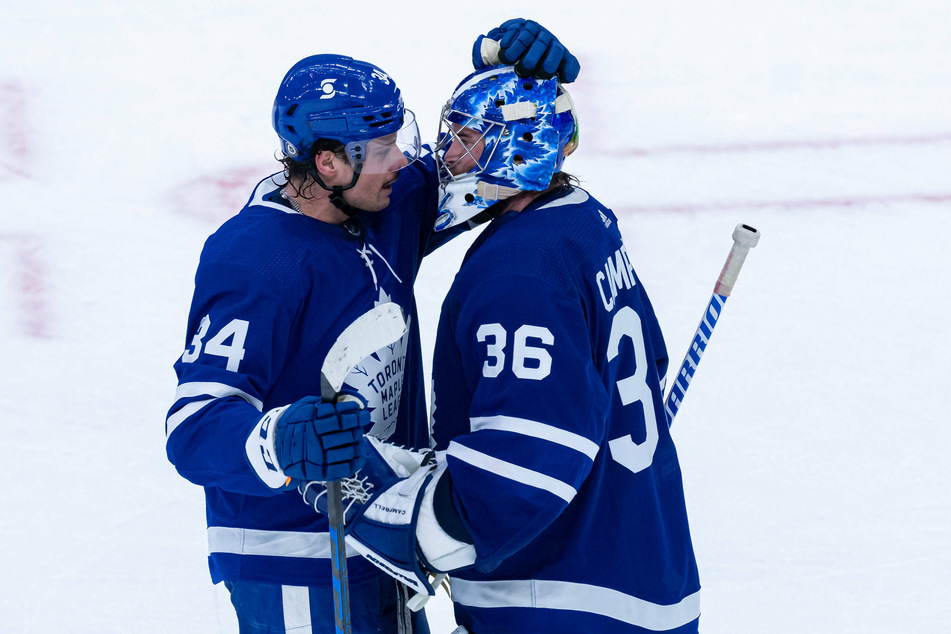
pixel 467 146
pixel 380 170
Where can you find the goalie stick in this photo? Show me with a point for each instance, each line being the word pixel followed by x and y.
pixel 744 239
pixel 382 325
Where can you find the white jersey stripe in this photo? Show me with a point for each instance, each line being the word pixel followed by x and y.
pixel 576 197
pixel 265 187
pixel 179 417
pixel 564 595
pixel 217 390
pixel 246 541
pixel 536 430
pixel 512 471
pixel 296 604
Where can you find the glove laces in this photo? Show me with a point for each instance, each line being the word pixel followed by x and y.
pixel 354 490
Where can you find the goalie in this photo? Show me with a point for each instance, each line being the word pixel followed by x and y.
pixel 554 497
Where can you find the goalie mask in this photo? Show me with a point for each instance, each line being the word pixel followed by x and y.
pixel 500 134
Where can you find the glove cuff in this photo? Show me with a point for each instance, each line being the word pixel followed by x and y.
pixel 490 51
pixel 404 462
pixel 442 552
pixel 487 52
pixel 261 451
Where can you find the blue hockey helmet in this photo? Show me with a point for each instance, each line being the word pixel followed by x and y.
pixel 514 133
pixel 343 99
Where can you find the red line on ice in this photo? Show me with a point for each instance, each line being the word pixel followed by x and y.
pixel 216 197
pixel 774 146
pixel 15 152
pixel 30 276
pixel 815 203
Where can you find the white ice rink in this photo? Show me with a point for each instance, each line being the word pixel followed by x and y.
pixel 815 438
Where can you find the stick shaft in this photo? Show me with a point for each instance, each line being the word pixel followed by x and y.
pixel 338 558
pixel 744 239
pixel 378 327
pixel 692 359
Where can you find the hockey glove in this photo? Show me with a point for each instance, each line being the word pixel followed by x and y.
pixel 308 440
pixel 532 48
pixel 390 515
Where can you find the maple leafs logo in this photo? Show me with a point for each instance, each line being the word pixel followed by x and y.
pixel 379 380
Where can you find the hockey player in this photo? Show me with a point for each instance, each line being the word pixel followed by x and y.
pixel 554 499
pixel 342 229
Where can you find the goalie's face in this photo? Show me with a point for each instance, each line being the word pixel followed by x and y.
pixel 466 149
pixel 466 144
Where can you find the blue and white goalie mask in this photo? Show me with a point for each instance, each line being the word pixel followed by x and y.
pixel 500 134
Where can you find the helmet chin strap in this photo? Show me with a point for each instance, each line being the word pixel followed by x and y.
pixel 336 192
pixel 336 197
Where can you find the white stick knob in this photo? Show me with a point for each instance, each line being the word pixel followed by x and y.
pixel 745 238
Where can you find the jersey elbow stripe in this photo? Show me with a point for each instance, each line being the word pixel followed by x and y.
pixel 179 417
pixel 246 541
pixel 580 597
pixel 217 390
pixel 537 430
pixel 214 390
pixel 512 472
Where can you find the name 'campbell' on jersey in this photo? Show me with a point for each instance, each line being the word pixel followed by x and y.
pixel 548 393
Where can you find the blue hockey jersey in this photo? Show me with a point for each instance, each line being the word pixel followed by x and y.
pixel 548 402
pixel 273 290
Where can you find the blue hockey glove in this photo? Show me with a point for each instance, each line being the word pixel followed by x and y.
pixel 530 47
pixel 308 440
pixel 390 515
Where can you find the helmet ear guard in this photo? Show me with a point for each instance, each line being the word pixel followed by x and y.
pixel 537 129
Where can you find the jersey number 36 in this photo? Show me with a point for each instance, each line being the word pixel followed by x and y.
pixel 534 362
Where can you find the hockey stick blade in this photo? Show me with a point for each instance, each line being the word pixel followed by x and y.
pixel 376 328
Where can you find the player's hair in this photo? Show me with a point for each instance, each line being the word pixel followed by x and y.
pixel 299 174
pixel 564 179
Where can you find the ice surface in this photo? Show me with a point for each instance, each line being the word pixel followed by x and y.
pixel 814 439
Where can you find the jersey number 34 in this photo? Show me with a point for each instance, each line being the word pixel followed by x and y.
pixel 235 330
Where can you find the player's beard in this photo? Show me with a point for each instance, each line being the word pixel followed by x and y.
pixel 374 195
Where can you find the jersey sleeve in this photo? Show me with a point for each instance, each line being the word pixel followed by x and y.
pixel 536 418
pixel 235 348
